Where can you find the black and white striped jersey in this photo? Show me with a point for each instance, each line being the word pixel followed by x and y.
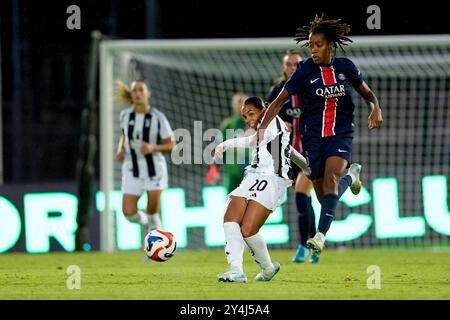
pixel 151 127
pixel 272 154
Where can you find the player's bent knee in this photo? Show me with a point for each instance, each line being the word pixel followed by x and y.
pixel 248 231
pixel 129 212
pixel 129 205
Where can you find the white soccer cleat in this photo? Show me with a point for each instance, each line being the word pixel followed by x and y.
pixel 316 243
pixel 269 273
pixel 232 275
pixel 355 170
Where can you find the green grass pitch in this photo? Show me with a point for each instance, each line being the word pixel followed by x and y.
pixel 191 275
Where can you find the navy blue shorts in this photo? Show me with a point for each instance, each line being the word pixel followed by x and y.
pixel 317 149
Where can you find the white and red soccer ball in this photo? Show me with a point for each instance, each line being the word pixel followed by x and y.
pixel 160 245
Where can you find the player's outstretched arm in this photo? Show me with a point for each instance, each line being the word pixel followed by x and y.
pixel 243 142
pixel 375 118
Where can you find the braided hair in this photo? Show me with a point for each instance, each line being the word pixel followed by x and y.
pixel 333 30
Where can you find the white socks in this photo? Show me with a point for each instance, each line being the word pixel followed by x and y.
pixel 138 217
pixel 154 221
pixel 234 244
pixel 259 250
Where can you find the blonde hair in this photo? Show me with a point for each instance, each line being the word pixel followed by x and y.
pixel 122 94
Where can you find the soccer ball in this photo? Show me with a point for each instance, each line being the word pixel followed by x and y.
pixel 160 245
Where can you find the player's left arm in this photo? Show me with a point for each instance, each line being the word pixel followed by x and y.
pixel 375 118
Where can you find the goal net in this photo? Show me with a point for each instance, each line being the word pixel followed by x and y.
pixel 405 164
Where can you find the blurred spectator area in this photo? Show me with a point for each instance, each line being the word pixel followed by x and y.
pixel 44 71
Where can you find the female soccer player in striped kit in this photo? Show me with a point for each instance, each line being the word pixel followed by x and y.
pixel 290 114
pixel 260 192
pixel 146 134
pixel 324 85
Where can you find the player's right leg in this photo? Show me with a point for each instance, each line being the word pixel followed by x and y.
pixel 131 189
pixel 334 168
pixel 153 206
pixel 234 241
pixel 130 210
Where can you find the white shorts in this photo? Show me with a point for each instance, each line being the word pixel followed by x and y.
pixel 136 186
pixel 268 190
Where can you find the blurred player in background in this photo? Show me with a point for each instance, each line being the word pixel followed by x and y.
pixel 232 171
pixel 146 134
pixel 290 114
pixel 261 191
pixel 324 86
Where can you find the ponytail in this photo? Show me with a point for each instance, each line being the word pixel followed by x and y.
pixel 123 94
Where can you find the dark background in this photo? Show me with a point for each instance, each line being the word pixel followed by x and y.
pixel 45 65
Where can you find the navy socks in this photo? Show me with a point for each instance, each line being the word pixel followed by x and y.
pixel 329 203
pixel 305 215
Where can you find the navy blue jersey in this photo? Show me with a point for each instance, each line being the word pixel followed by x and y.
pixel 290 112
pixel 325 96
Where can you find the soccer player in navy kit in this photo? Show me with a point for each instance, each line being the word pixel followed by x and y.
pixel 324 85
pixel 290 114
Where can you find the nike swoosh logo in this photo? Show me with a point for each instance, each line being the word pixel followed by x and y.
pixel 312 81
pixel 340 150
pixel 329 215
